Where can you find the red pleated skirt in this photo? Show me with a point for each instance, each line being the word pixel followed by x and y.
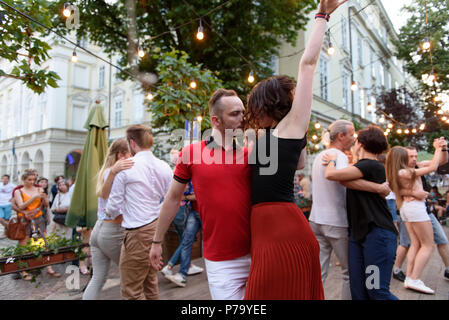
pixel 285 255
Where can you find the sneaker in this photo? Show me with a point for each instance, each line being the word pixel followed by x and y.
pixel 446 274
pixel 419 286
pixel 400 276
pixel 406 281
pixel 194 270
pixel 178 279
pixel 166 271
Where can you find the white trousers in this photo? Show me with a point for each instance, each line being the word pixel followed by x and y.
pixel 227 279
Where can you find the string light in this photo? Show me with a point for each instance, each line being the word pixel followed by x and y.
pixel 444 118
pixel 199 118
pixel 150 96
pixel 354 86
pixel 74 56
pixel 399 131
pixel 406 131
pixel 386 133
pixel 422 126
pixel 200 33
pixel 251 78
pixel 390 126
pixel 382 120
pixel 317 146
pixel 414 130
pixel 440 112
pixel 426 44
pixel 193 84
pixel 314 137
pixel 67 12
pixel 388 130
pixel 317 125
pixel 140 52
pixel 432 76
pixel 330 49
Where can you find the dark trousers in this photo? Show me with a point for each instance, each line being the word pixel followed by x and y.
pixel 370 265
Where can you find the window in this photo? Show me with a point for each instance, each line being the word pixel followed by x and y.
pixel 389 81
pixel 344 33
pixel 118 112
pixel 346 84
pixel 79 115
pixel 324 78
pixel 139 107
pixel 43 112
pixel 101 77
pixel 360 50
pixel 371 62
pixel 81 77
pixel 381 80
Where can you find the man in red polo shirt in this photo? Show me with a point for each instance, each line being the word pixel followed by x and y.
pixel 220 174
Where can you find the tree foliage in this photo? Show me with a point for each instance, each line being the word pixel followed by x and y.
pixel 255 28
pixel 174 100
pixel 22 44
pixel 412 35
pixel 405 108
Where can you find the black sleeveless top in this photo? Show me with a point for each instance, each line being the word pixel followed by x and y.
pixel 273 165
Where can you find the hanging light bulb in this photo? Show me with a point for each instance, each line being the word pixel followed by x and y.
pixel 426 44
pixel 199 118
pixel 354 86
pixel 330 49
pixel 317 146
pixel 140 52
pixel 440 112
pixel 414 130
pixel 388 130
pixel 399 131
pixel 444 118
pixel 314 137
pixel 317 125
pixel 422 126
pixel 67 12
pixel 200 33
pixel 193 84
pixel 150 96
pixel 356 135
pixel 251 78
pixel 406 131
pixel 386 133
pixel 390 126
pixel 74 56
pixel 381 120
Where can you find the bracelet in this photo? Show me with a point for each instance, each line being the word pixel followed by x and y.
pixel 335 162
pixel 445 150
pixel 322 16
pixel 156 242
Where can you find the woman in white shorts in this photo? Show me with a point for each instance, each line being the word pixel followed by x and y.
pixel 405 180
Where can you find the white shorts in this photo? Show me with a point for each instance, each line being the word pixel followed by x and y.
pixel 227 279
pixel 414 211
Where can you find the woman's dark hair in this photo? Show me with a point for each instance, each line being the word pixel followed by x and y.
pixel 373 139
pixel 46 188
pixel 58 177
pixel 272 97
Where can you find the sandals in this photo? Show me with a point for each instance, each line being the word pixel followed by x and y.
pixel 53 273
pixel 26 276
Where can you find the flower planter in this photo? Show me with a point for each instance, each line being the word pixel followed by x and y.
pixel 31 261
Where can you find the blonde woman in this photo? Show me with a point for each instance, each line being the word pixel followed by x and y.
pixel 107 236
pixel 405 180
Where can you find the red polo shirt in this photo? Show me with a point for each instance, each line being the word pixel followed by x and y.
pixel 221 180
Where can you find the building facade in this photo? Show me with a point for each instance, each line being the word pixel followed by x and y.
pixel 361 34
pixel 47 131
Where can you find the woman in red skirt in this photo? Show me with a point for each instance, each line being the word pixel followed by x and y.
pixel 285 255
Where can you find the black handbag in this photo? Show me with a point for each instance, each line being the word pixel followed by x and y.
pixel 59 218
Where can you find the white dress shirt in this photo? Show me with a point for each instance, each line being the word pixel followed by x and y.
pixel 137 193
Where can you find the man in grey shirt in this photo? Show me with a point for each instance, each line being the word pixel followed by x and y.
pixel 328 218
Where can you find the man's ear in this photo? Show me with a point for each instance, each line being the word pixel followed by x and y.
pixel 215 121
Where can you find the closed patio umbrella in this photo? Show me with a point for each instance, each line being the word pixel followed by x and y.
pixel 84 203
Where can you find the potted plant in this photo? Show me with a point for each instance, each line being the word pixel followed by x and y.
pixel 38 253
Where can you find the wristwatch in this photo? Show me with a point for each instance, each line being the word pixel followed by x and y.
pixel 335 162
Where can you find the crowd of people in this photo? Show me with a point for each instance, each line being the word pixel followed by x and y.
pixel 257 241
pixel 31 202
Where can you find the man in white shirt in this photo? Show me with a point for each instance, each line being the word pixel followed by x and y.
pixel 328 218
pixel 6 189
pixel 137 193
